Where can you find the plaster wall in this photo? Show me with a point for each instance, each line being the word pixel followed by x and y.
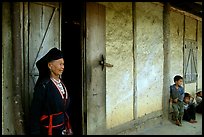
pixel 190 33
pixel 148 91
pixel 119 78
pixel 149 41
pixel 176 44
pixel 199 54
pixel 149 58
pixel 178 33
pixel 190 28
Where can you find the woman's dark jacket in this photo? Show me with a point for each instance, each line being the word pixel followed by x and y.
pixel 47 100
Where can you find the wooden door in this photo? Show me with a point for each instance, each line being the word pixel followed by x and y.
pixel 42 24
pixel 44 34
pixel 94 74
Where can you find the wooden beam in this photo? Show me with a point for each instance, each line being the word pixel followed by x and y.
pixel 186 13
pixel 181 11
pixel 198 3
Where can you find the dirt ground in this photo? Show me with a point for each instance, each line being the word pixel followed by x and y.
pixel 169 128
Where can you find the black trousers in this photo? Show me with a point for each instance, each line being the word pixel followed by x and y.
pixel 199 108
pixel 190 113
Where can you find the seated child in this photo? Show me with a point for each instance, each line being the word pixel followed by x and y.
pixel 189 109
pixel 199 101
pixel 176 97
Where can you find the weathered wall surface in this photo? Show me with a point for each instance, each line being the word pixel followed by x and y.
pixel 119 78
pixel 191 24
pixel 190 28
pixel 199 54
pixel 7 97
pixel 190 33
pixel 149 41
pixel 178 33
pixel 119 52
pixel 176 45
pixel 149 59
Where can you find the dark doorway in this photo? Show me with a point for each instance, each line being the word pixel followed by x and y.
pixel 71 47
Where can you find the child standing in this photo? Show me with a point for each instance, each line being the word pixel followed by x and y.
pixel 176 97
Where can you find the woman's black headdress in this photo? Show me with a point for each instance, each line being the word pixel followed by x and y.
pixel 42 64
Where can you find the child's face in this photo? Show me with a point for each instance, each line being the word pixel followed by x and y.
pixel 187 100
pixel 179 82
pixel 200 94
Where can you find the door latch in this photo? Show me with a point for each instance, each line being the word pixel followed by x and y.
pixel 104 64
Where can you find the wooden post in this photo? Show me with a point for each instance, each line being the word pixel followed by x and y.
pixel 17 69
pixel 166 70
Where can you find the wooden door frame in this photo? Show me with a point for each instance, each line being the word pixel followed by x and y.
pixel 83 64
pixel 93 124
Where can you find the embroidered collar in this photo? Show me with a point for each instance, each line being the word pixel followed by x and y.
pixel 59 85
pixel 56 81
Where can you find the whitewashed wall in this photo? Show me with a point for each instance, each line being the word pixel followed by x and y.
pixel 119 79
pixel 149 59
pixel 199 54
pixel 149 18
pixel 176 44
pixel 190 33
pixel 177 35
pixel 119 52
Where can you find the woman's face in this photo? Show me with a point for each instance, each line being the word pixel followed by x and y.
pixel 56 67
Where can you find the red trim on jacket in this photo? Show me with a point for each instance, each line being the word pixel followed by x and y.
pixel 50 126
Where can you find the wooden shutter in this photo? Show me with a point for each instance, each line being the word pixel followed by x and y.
pixel 190 61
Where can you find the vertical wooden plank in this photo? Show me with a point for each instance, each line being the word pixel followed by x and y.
pixel 26 100
pixel 135 60
pixel 184 22
pixel 83 64
pixel 166 70
pixel 196 55
pixel 17 69
pixel 95 77
pixel 60 22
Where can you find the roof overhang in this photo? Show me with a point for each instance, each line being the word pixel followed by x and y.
pixel 194 8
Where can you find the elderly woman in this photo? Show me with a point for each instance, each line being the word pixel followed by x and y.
pixel 49 107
